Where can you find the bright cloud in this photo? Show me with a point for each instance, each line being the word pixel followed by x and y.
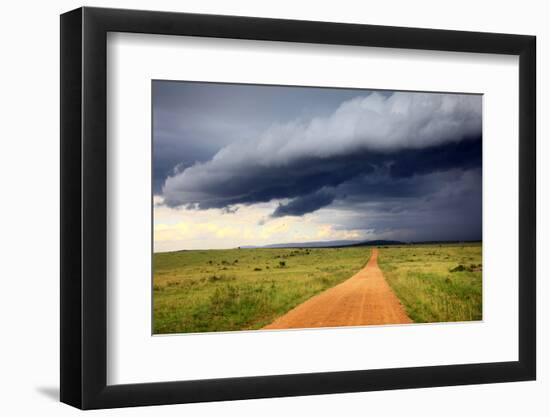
pixel 215 229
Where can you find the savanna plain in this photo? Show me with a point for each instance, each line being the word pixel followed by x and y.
pixel 247 289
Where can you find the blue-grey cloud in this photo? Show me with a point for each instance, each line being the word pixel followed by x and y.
pixel 436 206
pixel 411 132
pixel 218 146
pixel 194 120
pixel 305 204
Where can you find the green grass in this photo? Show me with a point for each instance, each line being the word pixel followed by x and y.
pixel 436 283
pixel 245 289
pixel 242 289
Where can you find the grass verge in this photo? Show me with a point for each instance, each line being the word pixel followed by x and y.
pixel 436 283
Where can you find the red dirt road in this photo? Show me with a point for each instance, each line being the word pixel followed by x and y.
pixel 364 299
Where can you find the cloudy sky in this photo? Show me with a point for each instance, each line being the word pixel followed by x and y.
pixel 237 165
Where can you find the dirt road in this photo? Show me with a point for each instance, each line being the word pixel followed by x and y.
pixel 364 299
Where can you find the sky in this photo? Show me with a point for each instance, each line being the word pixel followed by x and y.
pixel 252 165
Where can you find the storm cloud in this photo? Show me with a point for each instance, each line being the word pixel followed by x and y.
pixel 407 133
pixel 402 165
pixel 305 204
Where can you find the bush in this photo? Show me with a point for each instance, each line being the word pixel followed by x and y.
pixel 459 268
pixel 214 278
pixel 471 268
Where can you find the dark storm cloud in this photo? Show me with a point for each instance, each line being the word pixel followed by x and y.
pixel 390 160
pixel 437 206
pixel 345 174
pixel 192 121
pixel 412 133
pixel 305 204
pixel 405 176
pixel 170 156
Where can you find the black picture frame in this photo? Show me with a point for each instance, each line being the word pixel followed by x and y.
pixel 84 207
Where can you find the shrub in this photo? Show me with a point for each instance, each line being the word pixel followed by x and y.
pixel 459 268
pixel 214 278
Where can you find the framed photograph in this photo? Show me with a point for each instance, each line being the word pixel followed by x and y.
pixel 257 208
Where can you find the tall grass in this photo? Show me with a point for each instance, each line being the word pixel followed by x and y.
pixel 436 283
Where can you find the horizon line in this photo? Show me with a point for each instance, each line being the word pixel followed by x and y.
pixel 358 243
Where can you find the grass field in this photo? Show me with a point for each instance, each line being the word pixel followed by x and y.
pixel 240 289
pixel 245 289
pixel 436 283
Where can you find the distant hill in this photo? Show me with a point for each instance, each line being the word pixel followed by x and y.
pixel 378 243
pixel 355 243
pixel 328 244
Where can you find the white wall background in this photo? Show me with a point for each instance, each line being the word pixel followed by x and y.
pixel 29 177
